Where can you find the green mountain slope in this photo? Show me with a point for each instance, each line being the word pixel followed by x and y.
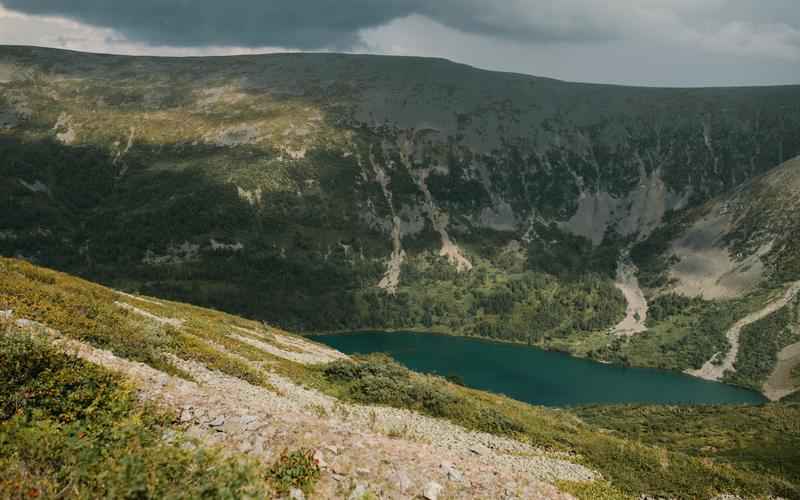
pixel 729 265
pixel 325 192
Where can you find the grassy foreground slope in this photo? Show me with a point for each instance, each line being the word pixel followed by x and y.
pixel 179 341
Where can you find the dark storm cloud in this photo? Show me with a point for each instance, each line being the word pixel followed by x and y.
pixel 764 27
pixel 304 24
pixel 309 24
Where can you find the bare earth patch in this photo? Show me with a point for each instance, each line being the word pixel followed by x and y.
pixel 706 268
pixel 636 310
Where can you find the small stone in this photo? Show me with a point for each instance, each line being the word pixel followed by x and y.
pixel 217 422
pixel 296 494
pixel 231 427
pixel 432 491
pixel 169 436
pixel 258 446
pixel 195 432
pixel 479 449
pixel 401 479
pixel 320 458
pixel 247 419
pixel 186 416
pixel 359 492
pixel 452 473
pixel 362 471
pixel 332 449
pixel 338 477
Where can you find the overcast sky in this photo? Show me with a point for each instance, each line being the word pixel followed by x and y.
pixel 640 42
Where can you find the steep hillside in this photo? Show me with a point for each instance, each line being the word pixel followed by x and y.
pixel 327 192
pixel 730 268
pixel 106 394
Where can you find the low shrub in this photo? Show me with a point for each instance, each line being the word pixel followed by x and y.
pixel 69 429
pixel 297 469
pixel 377 379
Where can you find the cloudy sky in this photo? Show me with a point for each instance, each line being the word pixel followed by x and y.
pixel 642 42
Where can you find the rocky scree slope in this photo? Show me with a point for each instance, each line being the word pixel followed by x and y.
pixel 325 192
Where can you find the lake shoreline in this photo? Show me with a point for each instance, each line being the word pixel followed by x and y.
pixel 550 349
pixel 559 373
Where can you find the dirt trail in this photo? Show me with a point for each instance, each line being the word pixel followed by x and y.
pixel 396 454
pixel 636 310
pixel 713 369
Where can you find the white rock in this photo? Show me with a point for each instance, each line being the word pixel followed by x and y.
pixel 217 422
pixel 401 479
pixel 452 473
pixel 455 475
pixel 432 491
pixel 296 494
pixel 247 419
pixel 359 492
pixel 320 458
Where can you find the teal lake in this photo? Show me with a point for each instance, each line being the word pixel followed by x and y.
pixel 537 376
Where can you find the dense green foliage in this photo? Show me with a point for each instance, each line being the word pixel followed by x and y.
pixel 69 429
pixel 501 299
pixel 566 255
pixel 526 307
pixel 760 342
pixel 763 439
pixel 681 333
pixel 650 255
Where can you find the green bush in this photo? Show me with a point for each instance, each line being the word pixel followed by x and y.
pixel 296 469
pixel 377 379
pixel 69 429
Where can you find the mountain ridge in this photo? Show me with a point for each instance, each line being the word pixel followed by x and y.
pixel 395 194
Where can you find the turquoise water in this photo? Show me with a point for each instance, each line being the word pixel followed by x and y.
pixel 537 376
